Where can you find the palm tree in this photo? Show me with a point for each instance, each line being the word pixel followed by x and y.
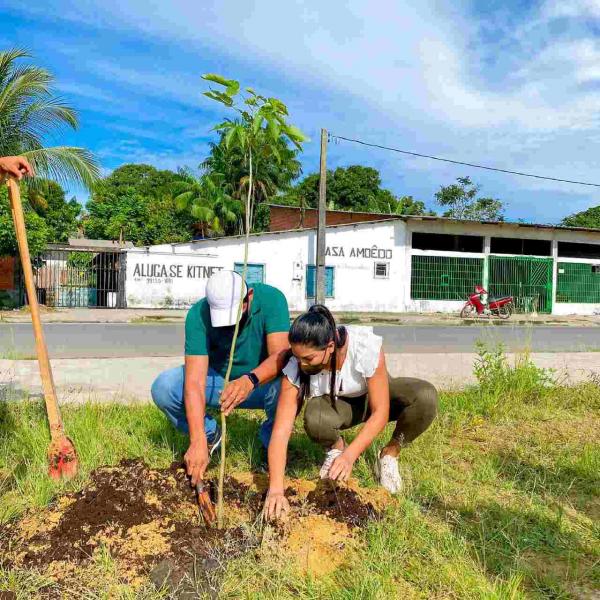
pixel 271 174
pixel 29 111
pixel 207 200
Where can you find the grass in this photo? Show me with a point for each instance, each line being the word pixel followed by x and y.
pixel 501 493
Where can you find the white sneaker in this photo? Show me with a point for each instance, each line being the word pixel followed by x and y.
pixel 329 458
pixel 389 475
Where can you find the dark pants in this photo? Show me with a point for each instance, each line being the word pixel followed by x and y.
pixel 413 405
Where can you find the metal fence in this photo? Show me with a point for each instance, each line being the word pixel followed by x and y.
pixel 527 279
pixel 69 278
pixel 578 282
pixel 444 277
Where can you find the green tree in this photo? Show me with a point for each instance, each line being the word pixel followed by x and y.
pixel 407 205
pixel 226 167
pixel 463 202
pixel 207 200
pixel 136 203
pixel 61 217
pixel 29 111
pixel 588 218
pixel 353 188
pixel 38 232
pixel 255 138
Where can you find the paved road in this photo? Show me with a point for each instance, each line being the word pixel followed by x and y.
pixel 88 340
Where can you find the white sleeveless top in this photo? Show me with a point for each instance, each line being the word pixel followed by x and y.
pixel 360 363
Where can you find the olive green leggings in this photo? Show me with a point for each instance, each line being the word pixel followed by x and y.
pixel 413 405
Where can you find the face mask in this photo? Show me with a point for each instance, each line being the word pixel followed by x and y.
pixel 314 369
pixel 311 369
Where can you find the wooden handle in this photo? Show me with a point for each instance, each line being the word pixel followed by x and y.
pixel 54 418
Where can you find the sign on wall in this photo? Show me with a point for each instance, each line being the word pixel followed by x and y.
pixel 167 281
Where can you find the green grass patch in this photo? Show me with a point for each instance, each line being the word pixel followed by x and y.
pixel 501 496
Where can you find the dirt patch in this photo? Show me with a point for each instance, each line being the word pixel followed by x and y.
pixel 318 545
pixel 147 522
pixel 341 504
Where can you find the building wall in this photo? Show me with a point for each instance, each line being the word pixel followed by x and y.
pixel 284 218
pixel 176 275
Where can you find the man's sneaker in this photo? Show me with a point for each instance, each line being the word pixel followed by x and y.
pixel 388 473
pixel 329 458
pixel 214 441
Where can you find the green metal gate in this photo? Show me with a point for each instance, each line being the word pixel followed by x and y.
pixel 527 279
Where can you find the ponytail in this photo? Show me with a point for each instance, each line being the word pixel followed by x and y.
pixel 317 328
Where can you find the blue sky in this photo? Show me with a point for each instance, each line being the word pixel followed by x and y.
pixel 512 84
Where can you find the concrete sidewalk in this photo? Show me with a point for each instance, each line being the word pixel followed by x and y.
pixel 134 315
pixel 129 380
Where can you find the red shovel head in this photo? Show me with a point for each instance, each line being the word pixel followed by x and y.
pixel 62 459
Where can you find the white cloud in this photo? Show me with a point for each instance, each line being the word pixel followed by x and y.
pixel 418 75
pixel 571 8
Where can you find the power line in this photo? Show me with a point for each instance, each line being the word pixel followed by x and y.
pixel 458 162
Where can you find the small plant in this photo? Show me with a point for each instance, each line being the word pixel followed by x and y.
pixel 499 380
pixel 258 124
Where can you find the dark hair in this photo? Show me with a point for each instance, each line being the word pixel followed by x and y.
pixel 317 328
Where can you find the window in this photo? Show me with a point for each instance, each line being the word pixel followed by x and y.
pixel 572 250
pixel 521 246
pixel 311 281
pixel 444 277
pixel 382 270
pixel 254 274
pixel 443 241
pixel 578 282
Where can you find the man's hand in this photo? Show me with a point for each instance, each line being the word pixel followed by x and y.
pixel 196 460
pixel 235 393
pixel 341 467
pixel 17 166
pixel 276 506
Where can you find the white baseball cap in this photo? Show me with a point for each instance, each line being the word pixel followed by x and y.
pixel 223 292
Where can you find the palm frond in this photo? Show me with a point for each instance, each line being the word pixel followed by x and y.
pixel 65 164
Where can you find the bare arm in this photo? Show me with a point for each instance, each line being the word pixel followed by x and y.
pixel 276 505
pixel 277 346
pixel 239 389
pixel 194 398
pixel 287 406
pixel 379 403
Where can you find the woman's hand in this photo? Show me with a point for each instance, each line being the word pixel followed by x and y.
pixel 276 506
pixel 341 468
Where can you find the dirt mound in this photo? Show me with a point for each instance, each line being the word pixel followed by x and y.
pixel 149 523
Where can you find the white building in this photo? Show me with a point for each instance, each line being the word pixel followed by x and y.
pixel 408 264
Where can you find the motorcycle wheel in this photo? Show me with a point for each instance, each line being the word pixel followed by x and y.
pixel 467 311
pixel 505 311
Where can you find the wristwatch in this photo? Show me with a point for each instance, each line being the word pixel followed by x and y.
pixel 253 378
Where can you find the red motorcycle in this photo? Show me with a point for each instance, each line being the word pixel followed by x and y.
pixel 477 305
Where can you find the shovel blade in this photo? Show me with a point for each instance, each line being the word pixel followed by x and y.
pixel 62 459
pixel 205 503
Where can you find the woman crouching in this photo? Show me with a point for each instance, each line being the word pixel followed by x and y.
pixel 341 373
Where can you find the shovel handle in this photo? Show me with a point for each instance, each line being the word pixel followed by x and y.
pixel 54 418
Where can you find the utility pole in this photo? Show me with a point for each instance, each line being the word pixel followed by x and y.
pixel 320 292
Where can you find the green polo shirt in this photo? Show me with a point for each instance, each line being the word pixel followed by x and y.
pixel 269 313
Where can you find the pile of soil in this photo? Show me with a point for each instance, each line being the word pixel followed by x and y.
pixel 149 521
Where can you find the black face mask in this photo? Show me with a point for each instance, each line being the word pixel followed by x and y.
pixel 313 369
